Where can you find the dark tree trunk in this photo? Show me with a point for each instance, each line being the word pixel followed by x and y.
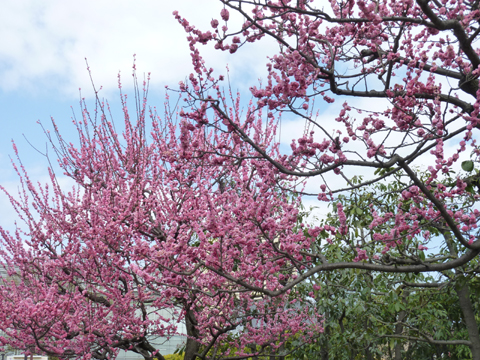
pixel 253 349
pixel 368 353
pixel 324 349
pixel 192 347
pixel 367 323
pixel 469 318
pixel 399 327
pixel 466 306
pixel 279 352
pixel 398 331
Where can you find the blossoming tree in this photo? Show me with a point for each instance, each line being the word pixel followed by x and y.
pixel 416 65
pixel 200 216
pixel 93 268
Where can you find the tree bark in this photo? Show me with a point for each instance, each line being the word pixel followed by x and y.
pixel 466 306
pixel 324 349
pixel 368 353
pixel 398 331
pixel 469 318
pixel 279 352
pixel 192 346
pixel 253 349
pixel 399 327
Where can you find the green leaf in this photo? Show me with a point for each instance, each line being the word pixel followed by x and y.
pixel 467 165
pixel 392 343
pixel 422 255
pixel 469 189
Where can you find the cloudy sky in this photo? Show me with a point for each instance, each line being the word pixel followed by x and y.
pixel 43 46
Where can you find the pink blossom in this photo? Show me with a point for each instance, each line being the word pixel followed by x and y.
pixel 224 14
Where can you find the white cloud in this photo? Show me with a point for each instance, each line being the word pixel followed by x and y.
pixel 43 44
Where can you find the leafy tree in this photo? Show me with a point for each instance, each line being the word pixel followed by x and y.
pixel 372 315
pixel 200 215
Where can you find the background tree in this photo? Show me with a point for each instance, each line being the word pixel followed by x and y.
pixel 388 315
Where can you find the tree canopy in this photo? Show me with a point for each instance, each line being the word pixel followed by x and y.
pixel 198 210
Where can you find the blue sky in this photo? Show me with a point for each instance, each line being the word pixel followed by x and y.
pixel 43 46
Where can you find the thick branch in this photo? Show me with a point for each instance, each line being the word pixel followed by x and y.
pixel 448 219
pixel 458 31
pixel 430 340
pixel 469 255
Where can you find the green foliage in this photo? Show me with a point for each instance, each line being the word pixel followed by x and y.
pixel 467 165
pixel 362 309
pixel 174 357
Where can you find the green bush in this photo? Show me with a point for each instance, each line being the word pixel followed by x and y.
pixel 174 357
